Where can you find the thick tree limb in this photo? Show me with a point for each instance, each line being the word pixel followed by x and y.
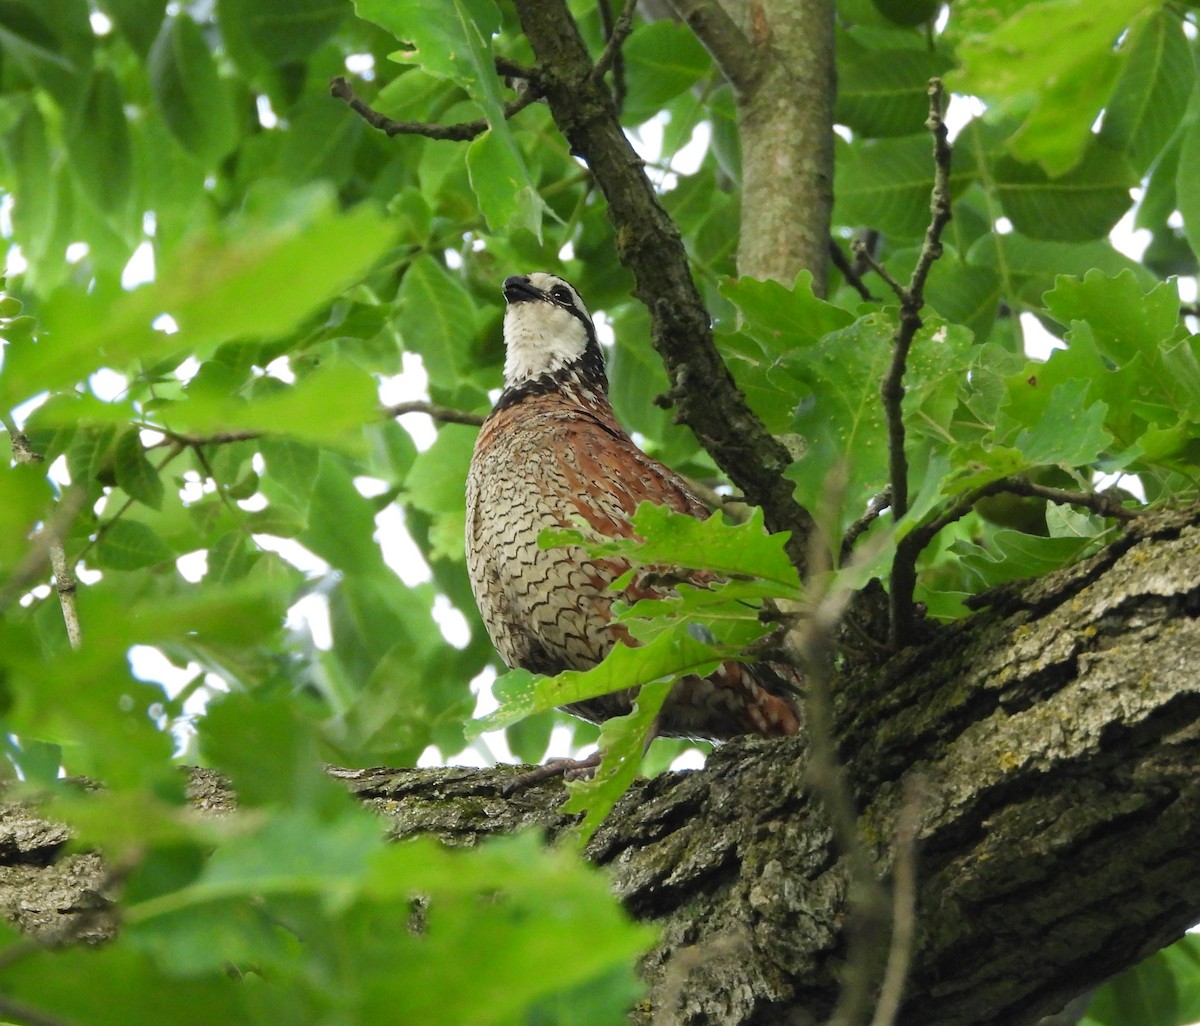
pixel 725 42
pixel 648 243
pixel 779 57
pixel 1057 739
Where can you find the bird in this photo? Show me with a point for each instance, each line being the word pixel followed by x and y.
pixel 550 452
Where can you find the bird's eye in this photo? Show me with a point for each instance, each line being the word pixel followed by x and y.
pixel 561 293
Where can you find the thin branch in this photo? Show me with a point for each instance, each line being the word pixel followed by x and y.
pixel 444 414
pixel 876 506
pixel 1098 502
pixel 104 528
pixel 182 439
pixel 851 275
pixel 734 54
pixel 866 257
pixel 51 535
pixel 461 132
pixel 891 390
pixel 616 33
pixel 66 585
pixel 913 544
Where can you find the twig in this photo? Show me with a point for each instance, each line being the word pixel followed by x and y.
pixel 904 906
pixel 104 528
pixel 734 54
pixel 913 544
pixel 445 414
pixel 1098 502
pixel 616 33
pixel 52 534
pixel 876 506
pixel 851 275
pixel 460 132
pixel 912 298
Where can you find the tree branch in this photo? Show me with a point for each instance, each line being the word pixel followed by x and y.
pixel 49 544
pixel 741 65
pixel 616 33
pixel 648 243
pixel 1059 827
pixel 891 389
pixel 853 279
pixel 444 414
pixel 340 89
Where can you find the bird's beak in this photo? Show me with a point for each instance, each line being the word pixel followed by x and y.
pixel 517 289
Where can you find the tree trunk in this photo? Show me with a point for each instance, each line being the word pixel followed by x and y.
pixel 1057 738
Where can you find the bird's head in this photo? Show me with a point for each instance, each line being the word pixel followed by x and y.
pixel 548 334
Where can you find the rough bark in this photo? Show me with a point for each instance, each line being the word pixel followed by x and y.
pixel 1057 734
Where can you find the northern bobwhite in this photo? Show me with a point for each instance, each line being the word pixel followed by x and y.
pixel 550 451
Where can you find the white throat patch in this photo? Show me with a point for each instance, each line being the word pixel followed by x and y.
pixel 540 338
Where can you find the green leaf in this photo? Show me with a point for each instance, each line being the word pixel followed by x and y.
pixel 507 197
pixel 622 741
pixel 189 92
pixel 843 424
pixel 52 46
pixel 257 279
pixel 283 31
pixel 664 538
pixel 1010 555
pixel 1152 92
pixel 101 154
pixel 1079 205
pixel 1187 184
pixel 671 654
pixel 328 407
pixel 230 559
pixel 130 545
pixel 662 60
pixel 884 92
pixel 454 40
pixel 137 20
pixel 135 473
pixel 436 317
pixel 1150 993
pixel 26 494
pixel 1126 319
pixel 292 465
pixel 895 201
pixel 1069 432
pixel 436 485
pixel 1027 267
pixel 1054 63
